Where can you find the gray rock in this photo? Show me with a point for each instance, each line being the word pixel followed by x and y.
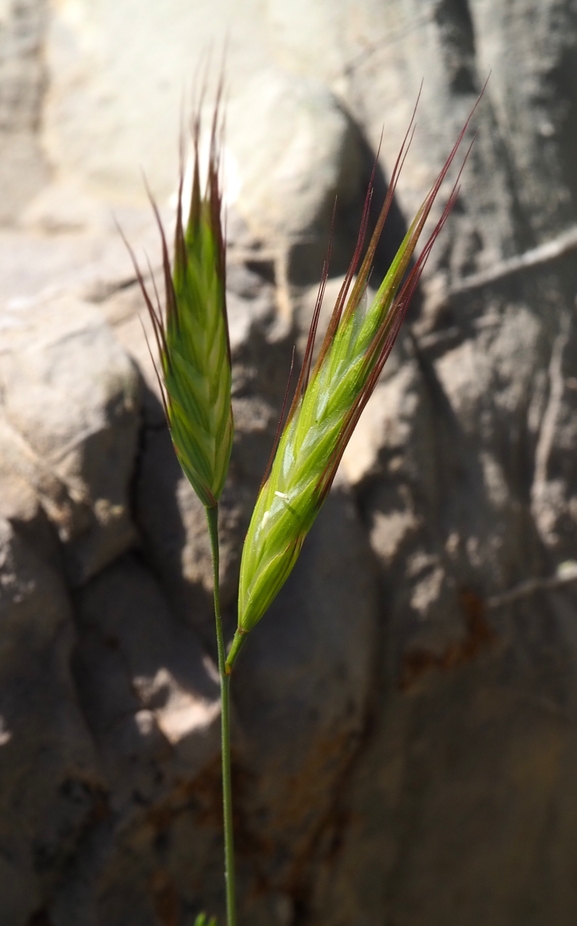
pixel 105 116
pixel 50 782
pixel 23 167
pixel 295 157
pixel 172 525
pixel 149 699
pixel 423 786
pixel 68 244
pixel 147 690
pixel 71 396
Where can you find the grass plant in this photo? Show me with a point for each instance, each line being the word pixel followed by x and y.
pixel 194 374
pixel 195 385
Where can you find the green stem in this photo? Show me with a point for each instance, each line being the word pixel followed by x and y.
pixel 212 519
pixel 237 642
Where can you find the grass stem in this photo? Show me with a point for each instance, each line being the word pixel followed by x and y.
pixel 229 872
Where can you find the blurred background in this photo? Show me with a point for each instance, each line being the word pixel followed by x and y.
pixel 405 718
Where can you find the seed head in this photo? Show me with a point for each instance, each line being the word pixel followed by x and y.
pixel 192 334
pixel 328 402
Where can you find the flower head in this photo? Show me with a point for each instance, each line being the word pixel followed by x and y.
pixel 192 335
pixel 329 398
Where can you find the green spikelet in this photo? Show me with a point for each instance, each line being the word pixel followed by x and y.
pixel 192 337
pixel 203 920
pixel 328 401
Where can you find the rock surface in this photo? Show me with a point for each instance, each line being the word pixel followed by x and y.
pixel 405 718
pixel 70 395
pixel 23 166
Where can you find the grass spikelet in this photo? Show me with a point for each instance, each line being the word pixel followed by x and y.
pixel 192 334
pixel 203 920
pixel 329 399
